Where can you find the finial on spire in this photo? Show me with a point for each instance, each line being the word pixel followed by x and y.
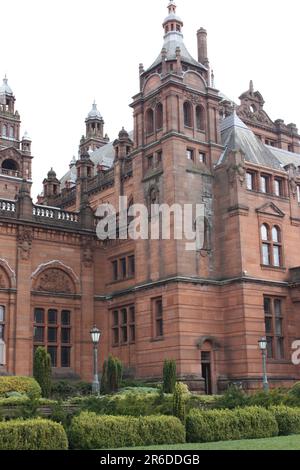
pixel 212 79
pixel 251 87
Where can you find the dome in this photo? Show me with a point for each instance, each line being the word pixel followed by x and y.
pixel 26 137
pixel 94 113
pixel 5 88
pixel 123 134
pixel 51 174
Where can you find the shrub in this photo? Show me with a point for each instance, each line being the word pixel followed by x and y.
pixel 63 389
pixel 112 375
pixel 276 396
pixel 169 376
pixel 288 419
pixel 24 385
pixel 293 395
pixel 42 370
pixel 224 425
pixel 89 431
pixel 233 397
pixel 178 402
pixel 37 434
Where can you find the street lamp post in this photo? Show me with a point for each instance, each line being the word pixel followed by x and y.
pixel 95 335
pixel 263 347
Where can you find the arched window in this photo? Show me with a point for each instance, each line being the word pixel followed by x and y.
pixel 277 248
pixel 200 118
pixel 187 112
pixel 266 245
pixel 9 165
pixel 149 121
pixel 11 132
pixel 271 246
pixel 159 116
pixel 4 130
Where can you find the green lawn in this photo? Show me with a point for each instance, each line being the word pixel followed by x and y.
pixel 275 443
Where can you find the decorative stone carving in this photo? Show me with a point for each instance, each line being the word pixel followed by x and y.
pixel 292 175
pixel 54 280
pixel 236 171
pixel 193 98
pixel 25 237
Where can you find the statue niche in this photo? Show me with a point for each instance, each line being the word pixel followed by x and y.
pixel 56 281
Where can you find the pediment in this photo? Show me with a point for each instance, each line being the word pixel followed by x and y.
pixel 270 209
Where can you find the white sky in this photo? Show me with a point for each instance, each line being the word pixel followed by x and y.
pixel 61 54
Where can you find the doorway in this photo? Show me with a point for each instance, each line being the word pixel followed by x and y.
pixel 206 371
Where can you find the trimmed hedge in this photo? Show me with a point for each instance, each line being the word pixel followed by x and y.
pixel 288 419
pixel 139 403
pixel 26 385
pixel 34 434
pixel 90 431
pixel 225 425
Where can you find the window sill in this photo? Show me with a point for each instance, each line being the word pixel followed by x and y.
pixel 266 267
pixel 279 361
pixel 129 278
pixel 122 345
pixel 157 340
pixel 260 193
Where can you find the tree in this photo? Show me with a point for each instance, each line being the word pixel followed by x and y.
pixel 111 375
pixel 169 376
pixel 179 403
pixel 42 370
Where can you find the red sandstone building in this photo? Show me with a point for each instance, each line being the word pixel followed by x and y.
pixel 152 299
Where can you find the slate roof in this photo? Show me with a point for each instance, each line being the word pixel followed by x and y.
pixel 237 136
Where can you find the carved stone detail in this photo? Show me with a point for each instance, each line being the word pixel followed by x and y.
pixel 154 101
pixel 236 171
pixel 25 237
pixel 195 99
pixel 54 280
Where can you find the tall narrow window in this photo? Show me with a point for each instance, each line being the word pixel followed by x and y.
pixel 278 187
pixel 200 118
pixel 159 116
pixel 2 337
pixel 187 112
pixel 149 121
pixel 266 252
pixel 158 313
pixel 273 309
pixel 190 154
pixel 276 239
pixel 2 322
pixel 123 268
pixel 131 265
pixel 250 181
pixel 298 193
pixel 265 184
pixel 115 270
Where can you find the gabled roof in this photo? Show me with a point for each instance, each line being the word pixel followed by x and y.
pixel 237 136
pixel 285 157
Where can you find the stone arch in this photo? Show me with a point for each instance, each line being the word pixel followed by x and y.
pixel 194 80
pixel 7 275
pixel 55 277
pixel 214 342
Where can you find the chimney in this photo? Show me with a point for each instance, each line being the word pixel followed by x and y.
pixel 202 47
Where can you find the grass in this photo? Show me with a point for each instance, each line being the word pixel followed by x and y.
pixel 275 443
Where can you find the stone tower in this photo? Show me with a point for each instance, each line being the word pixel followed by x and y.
pixel 15 154
pixel 177 142
pixel 94 137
